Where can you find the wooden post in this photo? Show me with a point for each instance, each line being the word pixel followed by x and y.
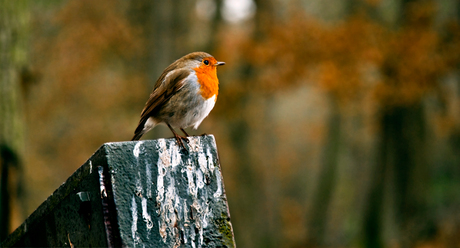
pixel 137 193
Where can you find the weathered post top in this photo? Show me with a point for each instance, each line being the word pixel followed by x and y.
pixel 137 193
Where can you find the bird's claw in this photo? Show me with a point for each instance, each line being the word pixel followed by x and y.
pixel 179 140
pixel 185 139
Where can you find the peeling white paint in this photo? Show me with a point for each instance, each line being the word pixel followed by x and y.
pixel 163 227
pixel 137 149
pixel 169 156
pixel 148 173
pixel 179 218
pixel 161 164
pixel 186 219
pixel 175 156
pixel 160 186
pixel 199 179
pixel 134 225
pixel 210 160
pixel 218 192
pixel 146 215
pixel 191 183
pixel 202 162
pixel 167 198
pixel 195 144
pixel 139 188
pixel 207 214
pixel 101 185
pixel 170 209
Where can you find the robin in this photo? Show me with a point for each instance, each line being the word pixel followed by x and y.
pixel 183 96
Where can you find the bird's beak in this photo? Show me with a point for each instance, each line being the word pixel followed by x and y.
pixel 220 63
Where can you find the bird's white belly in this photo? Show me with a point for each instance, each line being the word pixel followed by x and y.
pixel 206 108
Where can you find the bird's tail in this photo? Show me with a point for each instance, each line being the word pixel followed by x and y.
pixel 139 130
pixel 137 136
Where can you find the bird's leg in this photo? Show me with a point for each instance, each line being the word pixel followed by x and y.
pixel 186 134
pixel 178 137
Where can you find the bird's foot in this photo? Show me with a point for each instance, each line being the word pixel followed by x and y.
pixel 186 134
pixel 180 142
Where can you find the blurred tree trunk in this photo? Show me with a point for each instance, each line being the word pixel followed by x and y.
pixel 399 184
pixel 327 176
pixel 13 55
pixel 408 161
pixel 253 210
pixel 399 178
pixel 167 33
pixel 323 194
pixel 216 24
pixel 265 18
pixel 372 224
pixel 166 26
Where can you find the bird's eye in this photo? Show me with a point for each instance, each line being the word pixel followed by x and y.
pixel 206 62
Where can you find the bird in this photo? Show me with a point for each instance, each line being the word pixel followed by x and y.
pixel 184 94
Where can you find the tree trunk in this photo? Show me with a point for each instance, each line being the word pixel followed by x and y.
pixel 327 177
pixel 13 56
pixel 399 180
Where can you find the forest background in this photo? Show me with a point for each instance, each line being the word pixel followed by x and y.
pixel 337 122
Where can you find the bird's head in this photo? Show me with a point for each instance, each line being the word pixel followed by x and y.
pixel 202 60
pixel 204 65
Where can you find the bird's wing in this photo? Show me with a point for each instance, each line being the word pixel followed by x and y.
pixel 167 85
pixel 172 83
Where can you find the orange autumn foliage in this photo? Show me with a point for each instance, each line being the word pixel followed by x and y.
pixel 356 56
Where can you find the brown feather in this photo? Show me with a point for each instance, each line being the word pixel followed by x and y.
pixel 165 88
pixel 160 96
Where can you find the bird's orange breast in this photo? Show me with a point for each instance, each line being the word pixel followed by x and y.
pixel 207 77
